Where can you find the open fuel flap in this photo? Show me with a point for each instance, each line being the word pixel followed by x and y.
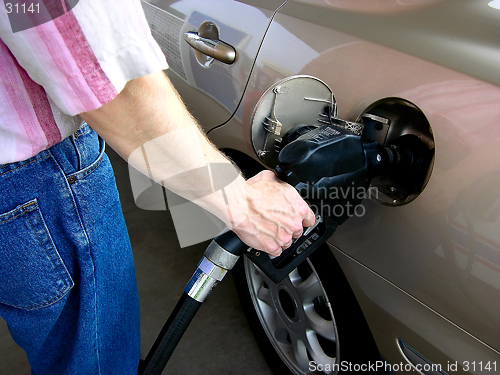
pixel 297 105
pixel 290 103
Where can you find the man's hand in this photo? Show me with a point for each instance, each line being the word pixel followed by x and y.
pixel 276 214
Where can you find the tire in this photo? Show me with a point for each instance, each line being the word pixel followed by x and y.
pixel 307 323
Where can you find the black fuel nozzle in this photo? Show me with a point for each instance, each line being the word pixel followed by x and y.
pixel 325 151
pixel 332 168
pixel 329 156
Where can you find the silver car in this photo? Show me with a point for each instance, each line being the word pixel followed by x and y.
pixel 411 282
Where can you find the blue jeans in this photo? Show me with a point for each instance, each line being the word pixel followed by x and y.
pixel 67 282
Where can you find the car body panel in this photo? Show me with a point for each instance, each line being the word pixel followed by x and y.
pixel 459 34
pixel 394 314
pixel 211 93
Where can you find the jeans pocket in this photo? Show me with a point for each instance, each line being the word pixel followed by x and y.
pixel 32 273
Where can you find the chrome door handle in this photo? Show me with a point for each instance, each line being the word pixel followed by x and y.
pixel 215 48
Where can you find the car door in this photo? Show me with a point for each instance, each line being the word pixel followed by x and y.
pixel 211 89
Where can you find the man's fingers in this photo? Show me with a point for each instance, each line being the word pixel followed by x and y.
pixel 265 175
pixel 284 236
pixel 298 233
pixel 275 252
pixel 309 220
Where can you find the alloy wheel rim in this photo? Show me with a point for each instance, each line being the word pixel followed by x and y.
pixel 297 318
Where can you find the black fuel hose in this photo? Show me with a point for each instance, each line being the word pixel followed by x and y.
pixel 220 256
pixel 170 335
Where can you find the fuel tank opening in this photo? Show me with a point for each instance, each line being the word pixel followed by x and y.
pixel 302 111
pixel 402 127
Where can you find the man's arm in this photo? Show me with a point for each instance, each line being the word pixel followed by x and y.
pixel 148 125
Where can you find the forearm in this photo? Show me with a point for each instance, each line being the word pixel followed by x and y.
pixel 148 125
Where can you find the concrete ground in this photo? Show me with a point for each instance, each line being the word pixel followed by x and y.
pixel 218 341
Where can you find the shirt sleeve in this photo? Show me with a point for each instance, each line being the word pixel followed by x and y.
pixel 84 58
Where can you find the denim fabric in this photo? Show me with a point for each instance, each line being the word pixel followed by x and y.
pixel 67 282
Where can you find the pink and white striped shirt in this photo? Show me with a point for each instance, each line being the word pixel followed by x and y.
pixel 75 63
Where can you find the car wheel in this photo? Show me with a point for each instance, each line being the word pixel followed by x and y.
pixel 308 322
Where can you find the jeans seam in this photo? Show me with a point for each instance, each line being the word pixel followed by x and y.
pixel 77 133
pixel 91 168
pixel 79 162
pixel 61 275
pixel 18 208
pixel 12 218
pixel 24 164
